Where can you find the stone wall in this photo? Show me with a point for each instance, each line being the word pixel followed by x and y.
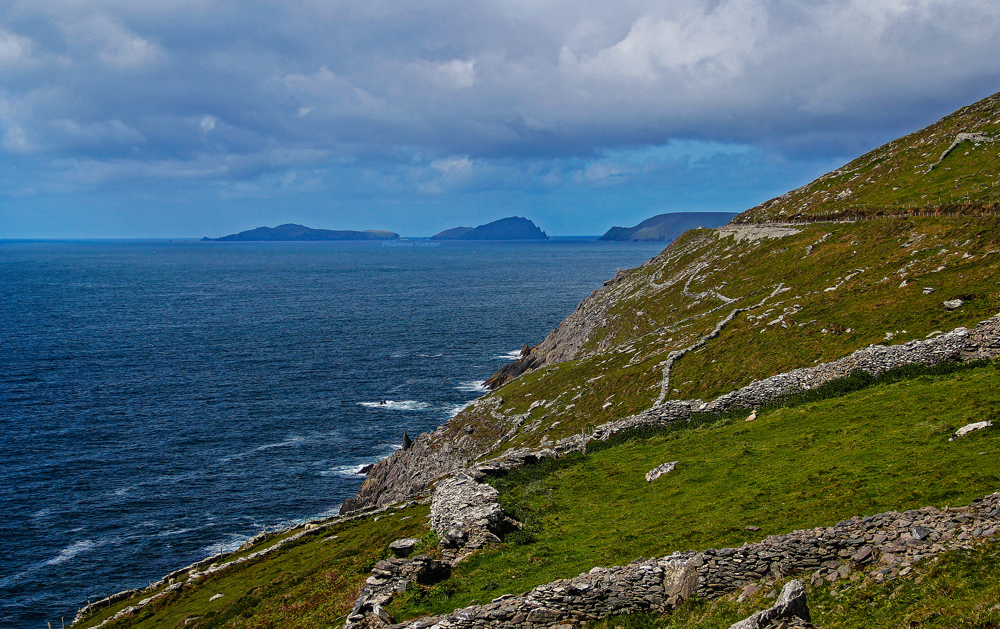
pixel 959 345
pixel 449 449
pixel 891 540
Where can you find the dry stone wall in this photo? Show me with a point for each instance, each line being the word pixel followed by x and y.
pixel 959 345
pixel 892 541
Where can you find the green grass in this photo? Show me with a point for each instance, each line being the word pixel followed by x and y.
pixel 311 582
pixel 961 588
pixel 881 448
pixel 649 316
pixel 894 178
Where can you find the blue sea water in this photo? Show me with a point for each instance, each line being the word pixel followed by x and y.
pixel 161 401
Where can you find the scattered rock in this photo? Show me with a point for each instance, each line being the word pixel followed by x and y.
pixel 928 290
pixel 216 597
pixel 404 547
pixel 660 470
pixel 951 304
pixel 790 604
pixel 966 429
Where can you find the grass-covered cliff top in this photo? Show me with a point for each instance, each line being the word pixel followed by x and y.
pixel 915 173
pixel 814 294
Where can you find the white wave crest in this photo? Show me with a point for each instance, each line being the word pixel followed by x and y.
pixel 472 386
pixel 71 551
pixel 227 546
pixel 511 355
pixel 455 409
pixel 350 471
pixel 290 442
pixel 393 405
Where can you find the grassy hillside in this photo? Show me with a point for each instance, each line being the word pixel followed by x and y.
pixel 813 295
pixel 716 310
pixel 960 589
pixel 309 583
pixel 916 173
pixel 881 448
pixel 875 450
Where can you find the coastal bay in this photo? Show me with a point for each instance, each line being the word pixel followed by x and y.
pixel 167 400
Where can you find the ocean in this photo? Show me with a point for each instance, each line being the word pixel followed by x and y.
pixel 162 401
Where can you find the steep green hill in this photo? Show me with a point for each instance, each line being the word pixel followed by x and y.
pixel 950 167
pixel 717 310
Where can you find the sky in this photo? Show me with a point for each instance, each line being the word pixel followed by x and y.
pixel 190 118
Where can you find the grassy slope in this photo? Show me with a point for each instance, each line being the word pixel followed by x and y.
pixel 657 310
pixel 894 178
pixel 311 583
pixel 878 449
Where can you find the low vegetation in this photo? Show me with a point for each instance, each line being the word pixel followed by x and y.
pixel 820 294
pixel 813 463
pixel 916 173
pixel 310 583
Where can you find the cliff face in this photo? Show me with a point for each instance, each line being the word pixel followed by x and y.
pixel 722 308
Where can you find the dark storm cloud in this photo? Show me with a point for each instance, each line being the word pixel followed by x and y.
pixel 451 95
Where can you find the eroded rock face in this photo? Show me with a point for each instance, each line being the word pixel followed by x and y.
pixel 466 514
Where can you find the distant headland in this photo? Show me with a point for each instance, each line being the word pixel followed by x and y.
pixel 512 228
pixel 668 226
pixel 291 231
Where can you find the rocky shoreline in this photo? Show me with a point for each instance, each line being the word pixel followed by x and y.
pixel 463 531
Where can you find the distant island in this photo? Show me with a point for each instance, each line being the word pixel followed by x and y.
pixel 668 226
pixel 291 231
pixel 512 228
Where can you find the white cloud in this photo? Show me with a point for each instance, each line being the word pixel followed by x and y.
pixel 14 49
pixel 449 75
pixel 97 134
pixel 720 40
pixel 208 123
pixel 114 45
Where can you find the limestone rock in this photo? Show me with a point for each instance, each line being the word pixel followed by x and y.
pixel 966 429
pixel 790 604
pixel 660 470
pixel 951 304
pixel 404 547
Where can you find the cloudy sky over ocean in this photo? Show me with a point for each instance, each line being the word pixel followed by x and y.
pixel 185 118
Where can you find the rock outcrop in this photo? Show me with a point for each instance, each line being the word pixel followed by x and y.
pixel 791 606
pixel 466 515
